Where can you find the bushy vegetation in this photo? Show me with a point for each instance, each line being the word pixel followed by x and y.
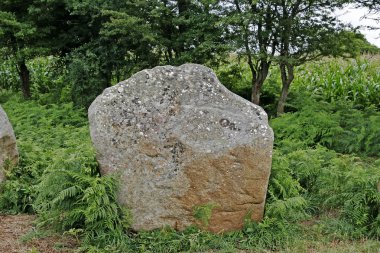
pixel 354 80
pixel 325 173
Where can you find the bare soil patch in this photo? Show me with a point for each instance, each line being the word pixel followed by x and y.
pixel 14 227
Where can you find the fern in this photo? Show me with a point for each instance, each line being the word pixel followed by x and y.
pixel 338 126
pixel 84 202
pixel 358 198
pixel 291 209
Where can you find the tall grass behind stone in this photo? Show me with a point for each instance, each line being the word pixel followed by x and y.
pixel 356 80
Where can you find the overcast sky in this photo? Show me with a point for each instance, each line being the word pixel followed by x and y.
pixel 354 16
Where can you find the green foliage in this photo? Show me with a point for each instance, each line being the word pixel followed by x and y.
pixel 47 76
pixel 235 77
pixel 327 181
pixel 271 233
pixel 128 37
pixel 169 240
pixel 17 193
pixel 356 80
pixel 361 133
pixel 298 127
pixel 336 125
pixel 8 74
pixel 35 28
pixel 355 192
pixel 330 181
pixel 58 175
pixel 77 199
pixel 44 134
pixel 86 78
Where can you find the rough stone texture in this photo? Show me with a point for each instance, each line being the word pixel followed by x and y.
pixel 181 140
pixel 8 148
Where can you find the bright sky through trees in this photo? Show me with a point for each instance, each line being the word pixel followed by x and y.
pixel 360 17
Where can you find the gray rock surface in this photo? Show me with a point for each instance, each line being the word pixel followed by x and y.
pixel 8 148
pixel 183 143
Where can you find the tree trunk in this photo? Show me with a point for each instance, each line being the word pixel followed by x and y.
pixel 258 82
pixel 287 76
pixel 256 92
pixel 25 78
pixel 281 102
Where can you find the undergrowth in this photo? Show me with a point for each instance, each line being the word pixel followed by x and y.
pixel 45 135
pixel 332 150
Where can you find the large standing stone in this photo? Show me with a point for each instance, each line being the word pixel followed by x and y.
pixel 183 143
pixel 8 148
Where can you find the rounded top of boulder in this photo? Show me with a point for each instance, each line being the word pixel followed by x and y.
pixel 166 95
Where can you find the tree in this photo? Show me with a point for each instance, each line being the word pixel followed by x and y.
pixel 15 35
pixel 308 31
pixel 33 28
pixel 188 31
pixel 121 43
pixel 110 40
pixel 127 36
pixel 287 33
pixel 255 35
pixel 200 33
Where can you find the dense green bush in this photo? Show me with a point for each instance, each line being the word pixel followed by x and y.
pixel 47 80
pixel 237 78
pixel 86 77
pixel 78 199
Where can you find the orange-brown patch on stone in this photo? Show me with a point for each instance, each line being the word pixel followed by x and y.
pixel 236 183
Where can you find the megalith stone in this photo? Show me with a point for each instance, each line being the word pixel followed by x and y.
pixel 188 151
pixel 8 148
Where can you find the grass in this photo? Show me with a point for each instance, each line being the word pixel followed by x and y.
pixel 356 80
pixel 314 242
